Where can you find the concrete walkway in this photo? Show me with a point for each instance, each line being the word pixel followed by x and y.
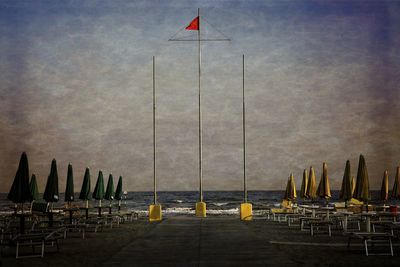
pixel 190 241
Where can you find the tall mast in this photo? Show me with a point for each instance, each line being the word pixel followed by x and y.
pixel 244 138
pixel 154 131
pixel 200 130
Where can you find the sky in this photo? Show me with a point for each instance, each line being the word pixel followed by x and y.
pixel 321 78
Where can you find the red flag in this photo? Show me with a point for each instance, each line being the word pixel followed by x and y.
pixel 194 25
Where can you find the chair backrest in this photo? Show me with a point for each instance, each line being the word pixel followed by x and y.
pixel 40 207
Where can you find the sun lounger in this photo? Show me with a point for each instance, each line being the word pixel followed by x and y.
pixel 316 225
pixel 37 239
pixel 371 238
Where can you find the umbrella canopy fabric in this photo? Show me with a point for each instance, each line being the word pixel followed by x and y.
pixel 396 185
pixel 85 189
pixel 385 186
pixel 312 185
pixel 34 188
pixel 353 184
pixel 98 192
pixel 361 191
pixel 110 188
pixel 69 188
pixel 118 191
pixel 51 191
pixel 346 191
pixel 304 182
pixel 324 189
pixel 19 191
pixel 290 192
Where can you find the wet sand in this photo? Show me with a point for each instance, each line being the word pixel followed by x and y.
pixel 213 241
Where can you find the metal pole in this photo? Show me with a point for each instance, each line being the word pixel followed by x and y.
pixel 200 130
pixel 154 131
pixel 244 139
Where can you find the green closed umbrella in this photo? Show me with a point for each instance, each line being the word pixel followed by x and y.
pixel 19 192
pixel 324 188
pixel 304 182
pixel 118 192
pixel 98 192
pixel 396 185
pixel 69 188
pixel 109 195
pixel 85 191
pixel 51 191
pixel 33 188
pixel 346 191
pixel 361 191
pixel 50 194
pixel 312 185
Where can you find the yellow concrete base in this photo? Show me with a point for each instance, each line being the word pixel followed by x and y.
pixel 246 211
pixel 155 213
pixel 201 209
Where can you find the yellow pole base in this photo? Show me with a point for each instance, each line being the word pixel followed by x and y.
pixel 155 213
pixel 246 212
pixel 201 209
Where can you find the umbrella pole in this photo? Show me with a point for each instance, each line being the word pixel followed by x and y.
pixel 119 205
pixel 99 207
pixel 87 209
pixel 109 208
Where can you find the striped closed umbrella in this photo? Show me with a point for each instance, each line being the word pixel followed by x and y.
pixel 290 192
pixel 385 187
pixel 51 194
pixel 361 191
pixel 85 191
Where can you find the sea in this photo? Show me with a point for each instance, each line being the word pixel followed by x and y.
pixel 183 202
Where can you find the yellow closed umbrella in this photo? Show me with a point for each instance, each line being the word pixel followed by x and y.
pixel 304 182
pixel 312 186
pixel 324 189
pixel 396 185
pixel 385 187
pixel 290 192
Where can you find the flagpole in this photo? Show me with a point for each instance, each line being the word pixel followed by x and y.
pixel 154 131
pixel 244 138
pixel 200 130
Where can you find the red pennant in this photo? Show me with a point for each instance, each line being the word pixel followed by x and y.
pixel 194 25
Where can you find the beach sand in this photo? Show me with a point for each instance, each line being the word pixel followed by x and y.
pixel 212 241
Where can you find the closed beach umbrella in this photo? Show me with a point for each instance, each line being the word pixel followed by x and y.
pixel 118 192
pixel 346 191
pixel 324 189
pixel 33 187
pixel 304 182
pixel 19 192
pixel 361 191
pixel 85 191
pixel 396 185
pixel 51 192
pixel 312 185
pixel 69 188
pixel 109 195
pixel 290 192
pixel 385 187
pixel 98 192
